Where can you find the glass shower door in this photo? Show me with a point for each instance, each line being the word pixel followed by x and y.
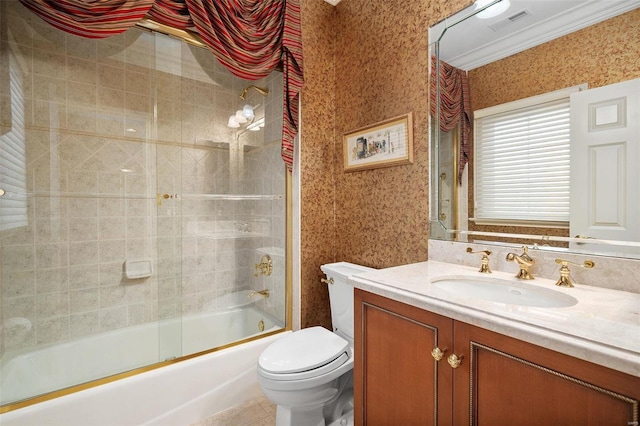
pixel 133 217
pixel 221 203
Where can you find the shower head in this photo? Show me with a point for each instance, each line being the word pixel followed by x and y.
pixel 262 91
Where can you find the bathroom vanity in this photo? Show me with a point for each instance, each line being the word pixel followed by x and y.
pixel 428 354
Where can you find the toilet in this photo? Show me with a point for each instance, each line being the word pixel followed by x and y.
pixel 308 374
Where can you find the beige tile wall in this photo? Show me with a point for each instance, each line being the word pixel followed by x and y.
pixel 83 101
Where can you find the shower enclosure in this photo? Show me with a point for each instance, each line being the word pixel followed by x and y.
pixel 136 226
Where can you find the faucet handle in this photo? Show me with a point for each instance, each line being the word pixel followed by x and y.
pixel 265 267
pixel 484 262
pixel 565 278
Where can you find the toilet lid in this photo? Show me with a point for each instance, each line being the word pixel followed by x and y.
pixel 302 350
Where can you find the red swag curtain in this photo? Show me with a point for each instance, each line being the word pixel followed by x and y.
pixel 249 37
pixel 455 106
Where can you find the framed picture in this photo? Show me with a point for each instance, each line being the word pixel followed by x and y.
pixel 383 144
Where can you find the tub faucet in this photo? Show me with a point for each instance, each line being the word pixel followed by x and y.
pixel 263 293
pixel 524 263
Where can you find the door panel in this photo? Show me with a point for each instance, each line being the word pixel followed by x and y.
pixel 397 381
pixel 511 382
pixel 605 152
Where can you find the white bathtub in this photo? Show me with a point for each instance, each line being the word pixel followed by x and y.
pixel 177 394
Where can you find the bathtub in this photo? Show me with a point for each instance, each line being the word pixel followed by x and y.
pixel 177 394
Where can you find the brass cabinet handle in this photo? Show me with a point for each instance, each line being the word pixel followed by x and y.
pixel 438 353
pixel 455 360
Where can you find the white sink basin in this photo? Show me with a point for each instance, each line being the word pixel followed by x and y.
pixel 503 291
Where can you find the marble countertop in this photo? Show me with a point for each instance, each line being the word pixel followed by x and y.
pixel 603 327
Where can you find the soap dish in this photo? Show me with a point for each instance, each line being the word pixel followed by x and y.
pixel 134 269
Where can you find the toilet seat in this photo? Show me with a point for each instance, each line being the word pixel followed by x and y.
pixel 307 353
pixel 309 374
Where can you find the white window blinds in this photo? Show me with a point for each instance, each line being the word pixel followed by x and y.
pixel 521 162
pixel 13 168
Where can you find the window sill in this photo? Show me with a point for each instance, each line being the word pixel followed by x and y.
pixel 521 223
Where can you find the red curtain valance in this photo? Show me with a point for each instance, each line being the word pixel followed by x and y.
pixel 90 18
pixel 455 106
pixel 249 37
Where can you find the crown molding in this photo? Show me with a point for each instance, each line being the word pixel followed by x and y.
pixel 585 15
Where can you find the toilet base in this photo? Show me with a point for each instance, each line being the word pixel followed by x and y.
pixel 314 407
pixel 344 420
pixel 299 416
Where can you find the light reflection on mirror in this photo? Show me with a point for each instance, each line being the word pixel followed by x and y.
pixel 532 48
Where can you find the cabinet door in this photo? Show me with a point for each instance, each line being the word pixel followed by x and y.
pixel 396 379
pixel 504 381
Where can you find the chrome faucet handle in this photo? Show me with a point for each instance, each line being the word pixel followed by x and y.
pixel 524 263
pixel 484 262
pixel 565 278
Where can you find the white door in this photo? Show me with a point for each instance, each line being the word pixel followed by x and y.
pixel 605 162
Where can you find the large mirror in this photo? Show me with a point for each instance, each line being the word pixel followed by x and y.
pixel 565 61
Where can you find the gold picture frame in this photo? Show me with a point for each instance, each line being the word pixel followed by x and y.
pixel 383 144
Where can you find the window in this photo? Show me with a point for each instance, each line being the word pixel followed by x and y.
pixel 521 161
pixel 13 168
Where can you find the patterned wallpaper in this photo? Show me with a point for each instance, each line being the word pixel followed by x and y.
pixel 365 61
pixel 318 234
pixel 605 53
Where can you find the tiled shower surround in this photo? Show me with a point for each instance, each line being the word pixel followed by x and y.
pixel 109 125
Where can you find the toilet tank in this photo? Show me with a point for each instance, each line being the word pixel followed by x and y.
pixel 341 295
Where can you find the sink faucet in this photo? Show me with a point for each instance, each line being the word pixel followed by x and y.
pixel 565 279
pixel 524 263
pixel 484 262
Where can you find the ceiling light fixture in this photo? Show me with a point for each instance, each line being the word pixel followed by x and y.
pixel 492 11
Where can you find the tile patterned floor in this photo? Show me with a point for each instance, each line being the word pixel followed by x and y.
pixel 256 412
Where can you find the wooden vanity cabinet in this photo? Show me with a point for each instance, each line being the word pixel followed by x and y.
pixel 396 380
pixel 500 380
